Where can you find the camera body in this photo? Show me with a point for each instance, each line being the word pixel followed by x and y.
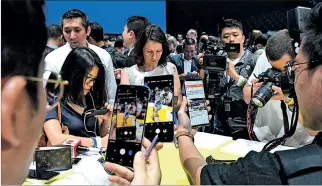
pixel 271 77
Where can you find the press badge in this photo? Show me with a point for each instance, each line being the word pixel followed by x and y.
pixel 227 103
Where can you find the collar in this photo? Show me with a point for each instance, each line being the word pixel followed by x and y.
pixel 52 46
pixel 87 43
pixel 182 56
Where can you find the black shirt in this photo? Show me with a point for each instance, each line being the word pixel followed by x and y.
pixel 256 168
pixel 260 168
pixel 75 121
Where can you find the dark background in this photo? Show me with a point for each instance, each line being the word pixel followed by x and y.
pixel 204 15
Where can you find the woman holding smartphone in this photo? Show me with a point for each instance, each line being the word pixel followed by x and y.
pixel 85 92
pixel 152 51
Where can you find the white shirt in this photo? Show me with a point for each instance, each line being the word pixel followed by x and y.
pixel 158 71
pixel 55 60
pixel 269 119
pixel 186 65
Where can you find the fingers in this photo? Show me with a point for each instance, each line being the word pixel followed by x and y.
pixel 139 165
pixel 119 171
pixel 254 80
pixel 278 89
pixel 183 105
pixel 118 180
pixel 146 144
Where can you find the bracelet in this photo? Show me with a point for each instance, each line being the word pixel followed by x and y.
pixel 240 81
pixel 99 142
pixel 95 142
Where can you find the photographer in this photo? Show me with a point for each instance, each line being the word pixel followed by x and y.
pixel 231 109
pixel 298 166
pixel 269 119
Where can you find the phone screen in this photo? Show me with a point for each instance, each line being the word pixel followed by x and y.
pixel 197 106
pixel 159 116
pixel 42 175
pixel 127 128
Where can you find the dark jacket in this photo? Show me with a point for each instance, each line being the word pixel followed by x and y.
pixel 178 61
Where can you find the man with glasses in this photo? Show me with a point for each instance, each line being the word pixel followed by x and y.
pixel 297 166
pixel 269 124
pixel 76 29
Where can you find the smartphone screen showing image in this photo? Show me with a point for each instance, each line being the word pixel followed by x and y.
pixel 197 106
pixel 127 127
pixel 159 117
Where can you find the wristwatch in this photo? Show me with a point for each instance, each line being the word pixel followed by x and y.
pixel 182 133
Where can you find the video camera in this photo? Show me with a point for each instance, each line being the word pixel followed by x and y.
pixel 215 66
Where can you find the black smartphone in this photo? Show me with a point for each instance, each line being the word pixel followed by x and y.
pixel 76 160
pixel 197 106
pixel 127 128
pixel 42 175
pixel 99 112
pixel 159 116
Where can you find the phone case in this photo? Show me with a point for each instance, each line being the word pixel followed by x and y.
pixel 57 158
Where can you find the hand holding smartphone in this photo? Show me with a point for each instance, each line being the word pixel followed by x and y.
pixel 197 106
pixel 127 127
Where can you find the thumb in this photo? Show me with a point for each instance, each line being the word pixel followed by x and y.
pixel 183 105
pixel 139 166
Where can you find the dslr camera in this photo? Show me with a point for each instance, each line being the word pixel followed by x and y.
pixel 271 77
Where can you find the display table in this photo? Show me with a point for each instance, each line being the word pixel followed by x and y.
pixel 90 171
pixel 172 171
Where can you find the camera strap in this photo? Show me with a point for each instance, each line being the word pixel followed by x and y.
pixel 285 118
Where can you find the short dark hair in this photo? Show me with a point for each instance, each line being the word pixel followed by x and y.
pixel 54 31
pixel 78 63
pixel 312 46
pixel 153 33
pixel 74 13
pixel 188 41
pixel 229 23
pixel 279 45
pixel 97 32
pixel 137 25
pixel 21 55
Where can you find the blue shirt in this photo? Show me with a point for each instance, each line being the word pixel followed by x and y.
pixel 75 121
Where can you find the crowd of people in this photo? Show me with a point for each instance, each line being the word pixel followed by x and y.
pixel 58 74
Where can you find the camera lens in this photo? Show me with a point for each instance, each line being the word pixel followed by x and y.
pixel 263 95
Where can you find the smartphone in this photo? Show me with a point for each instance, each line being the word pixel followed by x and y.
pixel 76 160
pixel 42 175
pixel 99 112
pixel 127 127
pixel 159 116
pixel 197 106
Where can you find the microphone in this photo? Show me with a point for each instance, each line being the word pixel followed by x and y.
pixel 78 149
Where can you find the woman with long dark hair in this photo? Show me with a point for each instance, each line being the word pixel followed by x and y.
pixel 85 92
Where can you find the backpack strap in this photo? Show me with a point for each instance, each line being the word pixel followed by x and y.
pixel 301 166
pixel 131 75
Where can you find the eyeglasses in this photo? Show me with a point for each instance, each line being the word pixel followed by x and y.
pixel 90 80
pixel 57 81
pixel 289 70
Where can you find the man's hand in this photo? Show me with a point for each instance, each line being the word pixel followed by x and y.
pixel 125 176
pixel 117 73
pixel 279 94
pixel 231 70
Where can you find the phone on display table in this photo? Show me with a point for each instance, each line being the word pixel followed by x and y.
pixel 42 175
pixel 159 117
pixel 127 127
pixel 197 106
